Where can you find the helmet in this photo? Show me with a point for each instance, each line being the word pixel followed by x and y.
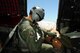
pixel 37 13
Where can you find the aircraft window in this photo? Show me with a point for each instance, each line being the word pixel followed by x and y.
pixel 50 6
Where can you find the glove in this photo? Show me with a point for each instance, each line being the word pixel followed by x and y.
pixel 51 34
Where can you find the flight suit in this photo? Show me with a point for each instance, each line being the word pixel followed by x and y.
pixel 31 37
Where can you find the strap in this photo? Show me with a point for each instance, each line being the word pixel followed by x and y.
pixel 10 36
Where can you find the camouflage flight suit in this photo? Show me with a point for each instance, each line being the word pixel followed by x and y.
pixel 31 36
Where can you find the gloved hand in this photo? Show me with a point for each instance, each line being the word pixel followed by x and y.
pixel 52 34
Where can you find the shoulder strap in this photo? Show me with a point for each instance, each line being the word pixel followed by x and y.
pixel 9 37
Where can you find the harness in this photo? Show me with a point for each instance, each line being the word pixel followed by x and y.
pixel 17 42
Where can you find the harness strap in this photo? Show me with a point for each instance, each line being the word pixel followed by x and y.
pixel 10 36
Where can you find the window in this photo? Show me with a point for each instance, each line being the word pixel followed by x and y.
pixel 50 6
